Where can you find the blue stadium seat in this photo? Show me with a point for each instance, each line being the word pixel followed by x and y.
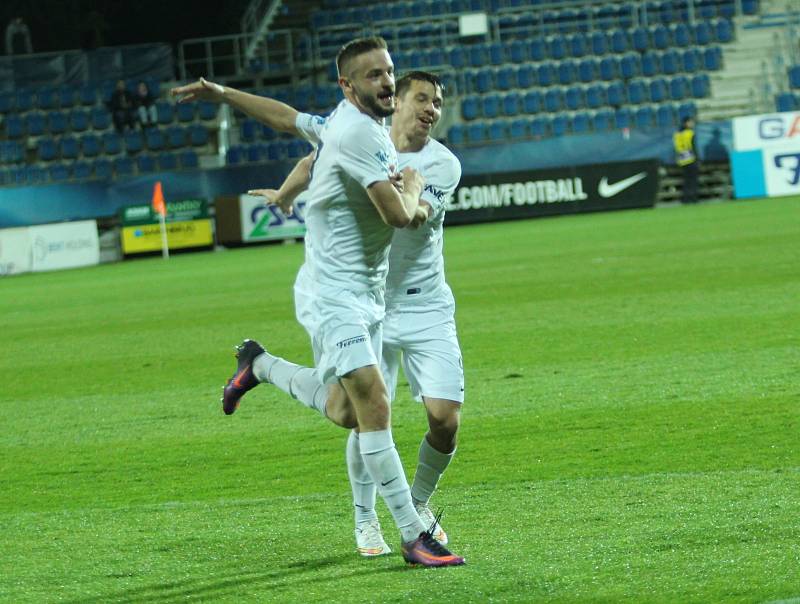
pixel 233 155
pixel 651 64
pixel 35 175
pixel 495 53
pixel 491 106
pixel 712 58
pixel 188 159
pixel 598 43
pixel 57 122
pixel 532 102
pixel 539 127
pixel 134 141
pixel 154 139
pixel 47 149
pixel 665 116
pixel 619 41
pixel 87 95
pixel 456 135
pixel 14 126
pixel 557 47
pixel 615 94
pixel 681 35
pixel 794 76
pixel 603 120
pixel 640 39
pixel 165 111
pixel 701 86
pixel 498 131
pixel 458 57
pixel 248 130
pixel 186 112
pixel 90 145
pixel 671 62
pixel 79 120
pixel 749 7
pixel 478 56
pixel 146 163
pixel 678 88
pixel 596 96
pixel 567 72
pixel 658 90
pixel 506 78
pixel 476 132
pixel 100 118
pixel 70 148
pixel 470 108
pixel 435 58
pixel 630 66
pixel 546 74
pixel 609 68
pixel 587 70
pixel 59 172
pixel 207 110
pixel 511 104
pixel 177 136
pixel 691 60
pixel 167 162
pixel 560 125
pixel 518 129
pixel 198 135
pixel 82 170
pixel 516 52
pixel 578 45
pixel 705 10
pixel 553 100
pixel 35 124
pixel 723 31
pixel 661 37
pixel 112 143
pixel 644 117
pixel 785 101
pixel 726 9
pixel 574 98
pixel 537 50
pixel 581 123
pixel 102 169
pixel 7 102
pixel 526 76
pixel 123 166
pixel 483 80
pixel 24 100
pixel 637 92
pixel 702 33
pixel 46 99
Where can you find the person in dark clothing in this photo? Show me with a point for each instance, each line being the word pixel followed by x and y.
pixel 122 107
pixel 686 158
pixel 145 106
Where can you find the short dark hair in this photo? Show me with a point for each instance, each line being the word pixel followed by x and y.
pixel 404 83
pixel 357 47
pixel 686 120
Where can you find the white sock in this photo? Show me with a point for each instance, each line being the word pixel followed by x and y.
pixel 299 382
pixel 363 488
pixel 431 466
pixel 386 470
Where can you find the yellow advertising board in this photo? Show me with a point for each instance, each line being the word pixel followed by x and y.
pixel 147 237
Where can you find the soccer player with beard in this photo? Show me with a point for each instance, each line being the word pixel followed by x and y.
pixel 353 205
pixel 419 326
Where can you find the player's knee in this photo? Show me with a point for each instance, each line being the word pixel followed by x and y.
pixel 341 412
pixel 444 426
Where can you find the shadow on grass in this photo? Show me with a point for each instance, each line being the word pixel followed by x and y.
pixel 271 581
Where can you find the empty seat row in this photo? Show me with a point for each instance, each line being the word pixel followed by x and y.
pixel 577 97
pixel 503 130
pixel 99 169
pixel 272 151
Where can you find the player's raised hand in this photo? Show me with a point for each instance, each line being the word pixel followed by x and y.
pixel 397 180
pixel 273 198
pixel 202 90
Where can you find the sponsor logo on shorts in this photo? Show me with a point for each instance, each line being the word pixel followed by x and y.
pixel 350 341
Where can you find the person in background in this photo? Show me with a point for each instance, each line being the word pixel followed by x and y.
pixel 17 28
pixel 122 108
pixel 145 106
pixel 686 158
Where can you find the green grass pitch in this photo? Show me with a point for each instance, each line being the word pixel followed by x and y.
pixel 630 431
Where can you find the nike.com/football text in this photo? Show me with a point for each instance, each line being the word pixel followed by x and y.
pixel 519 194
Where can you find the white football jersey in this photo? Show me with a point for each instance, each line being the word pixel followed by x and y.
pixel 348 239
pixel 416 263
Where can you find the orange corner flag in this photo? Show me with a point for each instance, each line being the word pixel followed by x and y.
pixel 158 200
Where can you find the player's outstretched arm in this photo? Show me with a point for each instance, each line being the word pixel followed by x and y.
pixel 296 182
pixel 273 113
pixel 395 208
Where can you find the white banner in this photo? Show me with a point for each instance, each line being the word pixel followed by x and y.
pixel 65 245
pixel 782 169
pixel 15 251
pixel 263 223
pixel 768 130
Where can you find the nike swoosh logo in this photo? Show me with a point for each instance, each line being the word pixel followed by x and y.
pixel 608 190
pixel 237 382
pixel 383 484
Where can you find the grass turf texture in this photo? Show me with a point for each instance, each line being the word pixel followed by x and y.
pixel 630 431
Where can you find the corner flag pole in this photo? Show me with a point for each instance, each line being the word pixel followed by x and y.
pixel 160 208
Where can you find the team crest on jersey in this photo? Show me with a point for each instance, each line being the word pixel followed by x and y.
pixel 382 157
